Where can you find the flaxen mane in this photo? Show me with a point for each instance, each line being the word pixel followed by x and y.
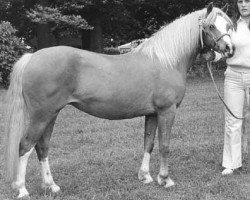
pixel 176 39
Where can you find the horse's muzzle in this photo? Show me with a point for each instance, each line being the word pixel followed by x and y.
pixel 229 51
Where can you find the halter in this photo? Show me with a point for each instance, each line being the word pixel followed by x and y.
pixel 202 23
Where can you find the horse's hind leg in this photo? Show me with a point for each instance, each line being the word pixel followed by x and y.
pixel 36 128
pixel 42 148
pixel 149 135
pixel 19 183
pixel 165 123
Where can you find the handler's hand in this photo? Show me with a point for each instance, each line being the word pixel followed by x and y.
pixel 208 56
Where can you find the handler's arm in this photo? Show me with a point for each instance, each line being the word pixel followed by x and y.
pixel 212 56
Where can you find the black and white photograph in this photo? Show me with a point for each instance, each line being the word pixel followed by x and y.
pixel 125 100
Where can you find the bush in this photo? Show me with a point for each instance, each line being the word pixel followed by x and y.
pixel 111 51
pixel 11 48
pixel 199 68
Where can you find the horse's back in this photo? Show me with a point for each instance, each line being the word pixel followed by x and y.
pixel 102 85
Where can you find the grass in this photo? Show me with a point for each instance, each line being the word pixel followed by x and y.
pixel 96 159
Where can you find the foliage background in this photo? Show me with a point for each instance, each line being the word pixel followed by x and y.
pixel 95 25
pixel 11 48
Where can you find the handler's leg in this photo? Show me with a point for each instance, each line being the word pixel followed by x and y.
pixel 149 135
pixel 234 97
pixel 165 123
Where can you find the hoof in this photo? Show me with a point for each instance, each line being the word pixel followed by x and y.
pixel 165 181
pixel 25 197
pixel 145 177
pixel 55 188
pixel 52 190
pixel 23 193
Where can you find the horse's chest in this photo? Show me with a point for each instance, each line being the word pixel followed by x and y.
pixel 168 93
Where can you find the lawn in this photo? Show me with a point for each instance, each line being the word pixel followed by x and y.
pixel 96 159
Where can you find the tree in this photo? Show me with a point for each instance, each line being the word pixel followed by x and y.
pixel 98 21
pixel 11 48
pixel 105 16
pixel 53 20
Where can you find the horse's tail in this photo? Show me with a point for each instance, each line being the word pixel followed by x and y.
pixel 16 116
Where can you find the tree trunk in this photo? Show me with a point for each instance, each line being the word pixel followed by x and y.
pixel 96 38
pixel 43 36
pixel 29 3
pixel 86 39
pixel 92 39
pixel 43 30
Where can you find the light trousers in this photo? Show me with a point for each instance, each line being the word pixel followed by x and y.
pixel 235 92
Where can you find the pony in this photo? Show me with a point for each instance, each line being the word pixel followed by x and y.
pixel 149 81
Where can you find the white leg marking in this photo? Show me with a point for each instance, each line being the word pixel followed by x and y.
pixel 23 192
pixel 163 177
pixel 21 172
pixel 145 162
pixel 144 174
pixel 47 178
pixel 163 166
pixel 166 182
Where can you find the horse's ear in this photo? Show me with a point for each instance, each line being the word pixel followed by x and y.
pixel 225 8
pixel 210 8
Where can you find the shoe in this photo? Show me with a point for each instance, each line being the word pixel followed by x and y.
pixel 227 172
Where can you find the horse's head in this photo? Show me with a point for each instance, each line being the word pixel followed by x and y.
pixel 215 29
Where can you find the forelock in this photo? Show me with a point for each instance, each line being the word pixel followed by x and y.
pixel 211 17
pixel 214 13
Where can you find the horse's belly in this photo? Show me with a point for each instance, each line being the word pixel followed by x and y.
pixel 114 97
pixel 115 110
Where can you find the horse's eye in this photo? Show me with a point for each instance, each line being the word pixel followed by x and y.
pixel 211 26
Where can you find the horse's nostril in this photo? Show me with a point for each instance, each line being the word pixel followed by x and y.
pixel 228 48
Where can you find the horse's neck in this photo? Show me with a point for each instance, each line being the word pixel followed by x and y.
pixel 177 44
pixel 189 45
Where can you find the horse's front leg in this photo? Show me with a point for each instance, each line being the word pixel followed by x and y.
pixel 165 122
pixel 149 135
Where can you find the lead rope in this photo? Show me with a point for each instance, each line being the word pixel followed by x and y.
pixel 244 129
pixel 209 64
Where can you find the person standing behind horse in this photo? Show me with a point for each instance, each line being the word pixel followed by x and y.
pixel 236 85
